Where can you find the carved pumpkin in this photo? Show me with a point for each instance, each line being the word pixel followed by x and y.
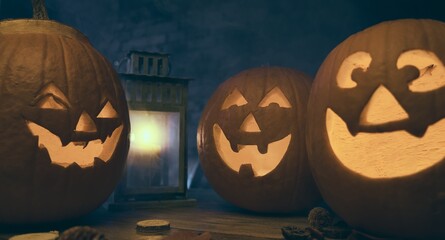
pixel 63 123
pixel 251 141
pixel 376 127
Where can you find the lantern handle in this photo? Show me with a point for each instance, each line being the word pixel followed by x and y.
pixel 39 10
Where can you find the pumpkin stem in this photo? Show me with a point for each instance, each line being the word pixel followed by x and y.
pixel 39 10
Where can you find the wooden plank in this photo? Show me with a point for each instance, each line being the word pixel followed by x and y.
pixel 212 214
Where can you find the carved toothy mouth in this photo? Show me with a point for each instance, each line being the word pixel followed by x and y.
pixel 385 154
pixel 249 155
pixel 82 153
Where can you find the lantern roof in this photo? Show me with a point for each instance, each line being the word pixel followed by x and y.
pixel 146 53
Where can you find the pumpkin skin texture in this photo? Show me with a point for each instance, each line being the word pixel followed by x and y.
pixel 260 113
pixel 375 129
pixel 63 123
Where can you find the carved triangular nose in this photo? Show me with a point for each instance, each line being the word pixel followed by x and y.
pixel 381 108
pixel 85 123
pixel 250 124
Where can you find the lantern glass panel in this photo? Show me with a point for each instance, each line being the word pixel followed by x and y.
pixel 153 159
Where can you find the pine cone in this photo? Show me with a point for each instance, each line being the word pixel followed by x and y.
pixel 320 217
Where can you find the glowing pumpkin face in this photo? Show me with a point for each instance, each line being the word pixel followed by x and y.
pixel 376 120
pixel 394 117
pixel 250 148
pixel 89 139
pixel 63 123
pixel 251 140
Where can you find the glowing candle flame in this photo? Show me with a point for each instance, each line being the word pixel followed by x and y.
pixel 146 132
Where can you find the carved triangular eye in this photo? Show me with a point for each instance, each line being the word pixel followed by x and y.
pixel 85 123
pixel 107 111
pixel 234 98
pixel 50 102
pixel 51 97
pixel 275 96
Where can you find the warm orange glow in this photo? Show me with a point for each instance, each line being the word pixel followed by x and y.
pixel 48 102
pixel 154 155
pixel 147 133
pixel 85 123
pixel 385 155
pixel 234 98
pixel 275 96
pixel 82 153
pixel 356 60
pixel 396 153
pixel 47 97
pixel 382 107
pixel 107 111
pixel 262 164
pixel 431 70
pixel 250 124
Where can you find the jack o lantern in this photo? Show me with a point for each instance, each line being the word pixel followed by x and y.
pixel 63 123
pixel 251 141
pixel 376 127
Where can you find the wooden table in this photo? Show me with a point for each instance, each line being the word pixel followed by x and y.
pixel 210 214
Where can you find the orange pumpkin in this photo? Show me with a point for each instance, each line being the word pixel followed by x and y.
pixel 376 123
pixel 63 123
pixel 251 141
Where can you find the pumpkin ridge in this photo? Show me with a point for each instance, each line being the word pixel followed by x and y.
pixel 63 59
pixel 309 186
pixel 43 60
pixel 116 91
pixel 98 71
pixel 26 26
pixel 108 75
pixel 6 65
pixel 97 77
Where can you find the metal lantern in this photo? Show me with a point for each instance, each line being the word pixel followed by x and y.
pixel 157 160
